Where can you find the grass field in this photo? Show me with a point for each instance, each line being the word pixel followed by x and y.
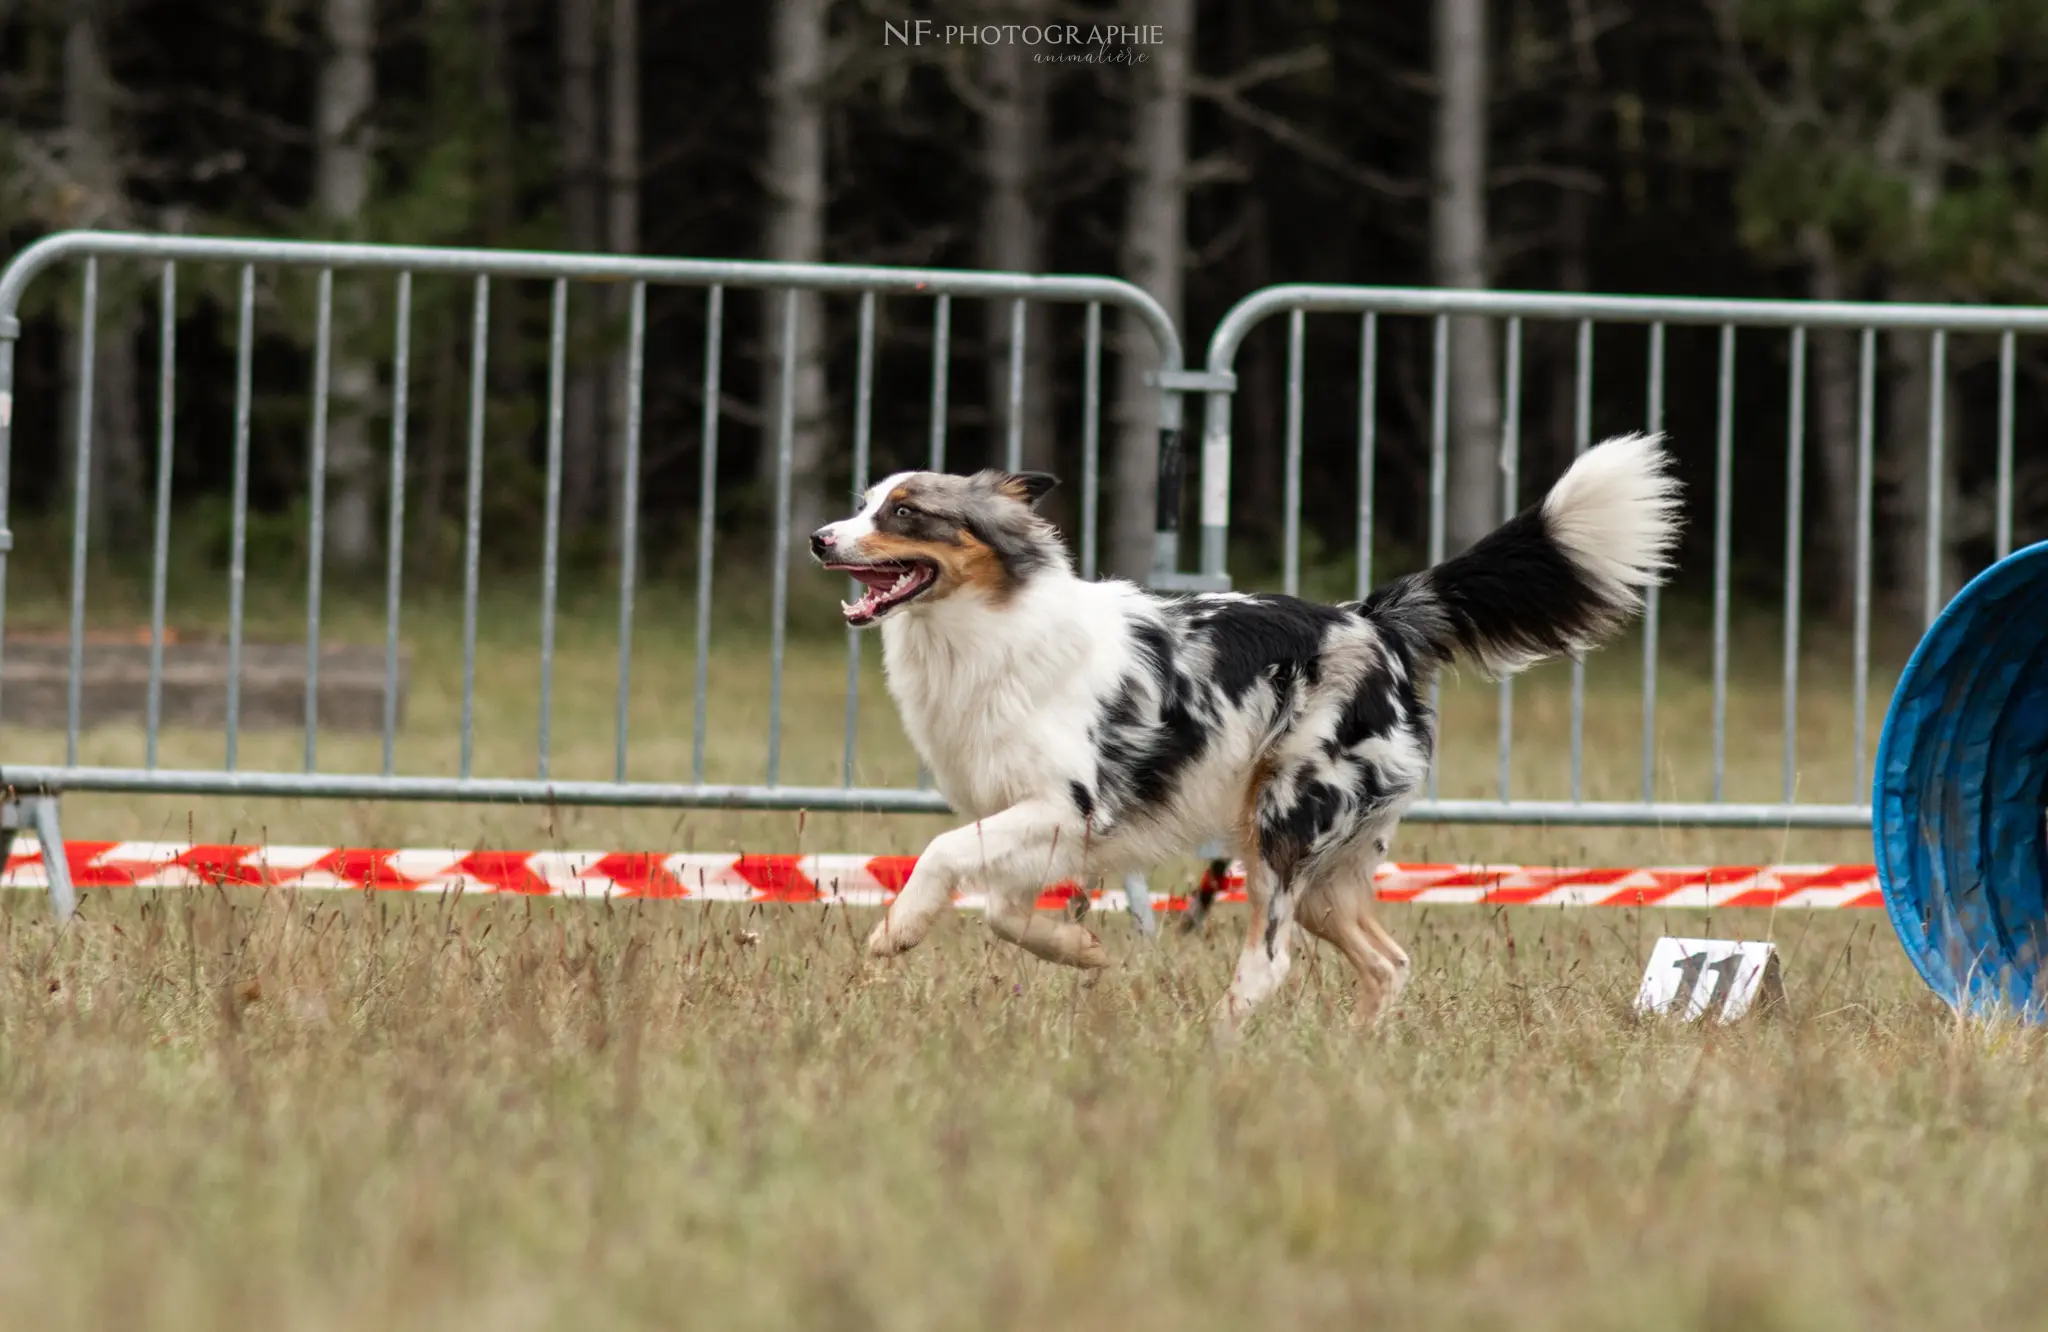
pixel 231 1110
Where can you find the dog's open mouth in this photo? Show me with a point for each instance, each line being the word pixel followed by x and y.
pixel 887 586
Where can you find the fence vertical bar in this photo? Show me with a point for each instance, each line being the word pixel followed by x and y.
pixel 1937 442
pixel 394 523
pixel 1439 433
pixel 1091 435
pixel 10 338
pixel 1652 602
pixel 1795 532
pixel 2002 520
pixel 238 539
pixel 81 501
pixel 1290 504
pixel 63 894
pixel 785 454
pixel 316 499
pixel 1368 444
pixel 160 546
pixel 707 519
pixel 863 402
pixel 1439 453
pixel 1510 496
pixel 1724 455
pixel 551 519
pixel 942 347
pixel 942 339
pixel 1013 424
pixel 1866 427
pixel 1582 438
pixel 629 511
pixel 941 371
pixel 473 510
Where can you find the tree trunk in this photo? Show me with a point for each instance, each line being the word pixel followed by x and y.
pixel 1013 240
pixel 447 400
pixel 1548 457
pixel 1909 394
pixel 582 208
pixel 1912 142
pixel 343 100
pixel 1458 256
pixel 622 220
pixel 1833 469
pixel 499 172
pixel 1256 455
pixel 93 158
pixel 1154 257
pixel 796 234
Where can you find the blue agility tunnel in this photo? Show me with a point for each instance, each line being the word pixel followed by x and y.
pixel 1962 794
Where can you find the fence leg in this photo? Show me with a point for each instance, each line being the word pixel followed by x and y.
pixel 1138 891
pixel 38 814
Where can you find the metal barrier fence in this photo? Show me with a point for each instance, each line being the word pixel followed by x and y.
pixel 1791 319
pixel 34 786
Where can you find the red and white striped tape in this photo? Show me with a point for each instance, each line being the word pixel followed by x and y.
pixel 873 880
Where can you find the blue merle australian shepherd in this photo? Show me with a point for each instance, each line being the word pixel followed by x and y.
pixel 1086 729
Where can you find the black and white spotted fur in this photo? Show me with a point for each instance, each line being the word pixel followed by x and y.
pixel 1084 729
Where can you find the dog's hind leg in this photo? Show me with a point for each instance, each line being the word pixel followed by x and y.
pixel 1011 855
pixel 1264 963
pixel 1013 915
pixel 1338 908
pixel 1396 958
pixel 1331 912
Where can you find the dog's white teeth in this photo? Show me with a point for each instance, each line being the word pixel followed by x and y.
pixel 901 583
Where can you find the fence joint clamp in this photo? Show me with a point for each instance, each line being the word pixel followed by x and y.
pixel 1193 381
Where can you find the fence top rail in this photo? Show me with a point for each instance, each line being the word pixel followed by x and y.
pixel 63 245
pixel 1327 299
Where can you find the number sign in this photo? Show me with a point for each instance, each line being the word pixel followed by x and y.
pixel 1690 978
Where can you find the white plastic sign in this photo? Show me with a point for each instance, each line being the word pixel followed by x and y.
pixel 1690 978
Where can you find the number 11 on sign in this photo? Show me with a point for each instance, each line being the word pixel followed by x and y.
pixel 1677 978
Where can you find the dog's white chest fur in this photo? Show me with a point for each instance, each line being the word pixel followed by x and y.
pixel 999 701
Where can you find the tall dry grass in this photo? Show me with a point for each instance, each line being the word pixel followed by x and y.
pixel 319 1112
pixel 312 1112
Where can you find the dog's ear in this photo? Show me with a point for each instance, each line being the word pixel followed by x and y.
pixel 1029 487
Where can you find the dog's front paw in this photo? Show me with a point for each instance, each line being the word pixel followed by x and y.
pixel 1089 954
pixel 885 940
pixel 1226 1023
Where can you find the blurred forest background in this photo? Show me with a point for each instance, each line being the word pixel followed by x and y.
pixel 1880 149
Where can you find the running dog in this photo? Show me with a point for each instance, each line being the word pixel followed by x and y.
pixel 1089 728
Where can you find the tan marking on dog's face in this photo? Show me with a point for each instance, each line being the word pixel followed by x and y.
pixel 964 563
pixel 887 547
pixel 975 565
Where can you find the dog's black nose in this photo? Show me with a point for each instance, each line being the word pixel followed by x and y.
pixel 821 541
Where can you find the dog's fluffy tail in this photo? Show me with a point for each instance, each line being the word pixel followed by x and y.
pixel 1557 579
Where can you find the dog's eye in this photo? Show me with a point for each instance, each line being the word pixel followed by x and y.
pixel 904 511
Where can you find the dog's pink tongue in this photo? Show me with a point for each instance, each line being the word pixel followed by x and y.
pixel 879 579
